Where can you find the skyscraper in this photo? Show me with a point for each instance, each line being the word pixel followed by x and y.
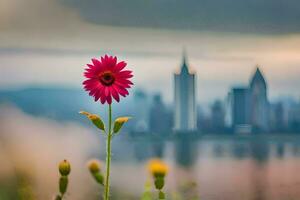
pixel 240 98
pixel 141 111
pixel 160 119
pixel 276 119
pixel 217 116
pixel 250 106
pixel 185 99
pixel 259 102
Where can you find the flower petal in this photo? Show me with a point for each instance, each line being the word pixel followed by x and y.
pixel 106 91
pixel 120 66
pixel 123 92
pixel 102 98
pixel 109 99
pixel 115 94
pixel 96 62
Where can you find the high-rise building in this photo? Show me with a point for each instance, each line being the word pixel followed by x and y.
pixel 259 117
pixel 240 98
pixel 217 116
pixel 294 117
pixel 160 121
pixel 141 111
pixel 228 110
pixel 185 116
pixel 276 117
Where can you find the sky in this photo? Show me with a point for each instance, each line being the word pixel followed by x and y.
pixel 48 42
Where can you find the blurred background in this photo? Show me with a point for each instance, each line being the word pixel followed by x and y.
pixel 216 96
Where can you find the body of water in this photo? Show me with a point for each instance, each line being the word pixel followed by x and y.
pixel 260 167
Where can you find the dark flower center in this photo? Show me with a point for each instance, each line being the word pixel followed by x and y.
pixel 107 78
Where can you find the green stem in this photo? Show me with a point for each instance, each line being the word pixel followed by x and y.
pixel 161 195
pixel 108 154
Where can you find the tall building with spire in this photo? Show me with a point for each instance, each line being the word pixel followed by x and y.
pixel 250 106
pixel 259 102
pixel 185 115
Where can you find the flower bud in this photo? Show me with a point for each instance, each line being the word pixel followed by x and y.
pixel 119 123
pixel 95 169
pixel 99 178
pixel 157 168
pixel 97 121
pixel 64 168
pixel 94 166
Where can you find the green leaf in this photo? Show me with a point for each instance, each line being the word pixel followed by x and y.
pixel 119 123
pixel 97 121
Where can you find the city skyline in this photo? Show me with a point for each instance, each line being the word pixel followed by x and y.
pixel 208 90
pixel 247 108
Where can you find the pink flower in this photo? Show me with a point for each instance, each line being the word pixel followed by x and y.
pixel 106 79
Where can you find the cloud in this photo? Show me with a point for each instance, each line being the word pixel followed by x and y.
pixel 255 16
pixel 35 15
pixel 248 16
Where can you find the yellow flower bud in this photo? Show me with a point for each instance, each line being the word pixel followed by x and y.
pixel 157 168
pixel 94 166
pixel 97 121
pixel 119 123
pixel 122 119
pixel 64 168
